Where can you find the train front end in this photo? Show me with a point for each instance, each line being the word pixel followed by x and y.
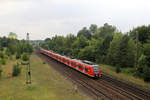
pixel 97 71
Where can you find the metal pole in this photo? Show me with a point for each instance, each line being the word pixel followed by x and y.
pixel 28 65
pixel 136 58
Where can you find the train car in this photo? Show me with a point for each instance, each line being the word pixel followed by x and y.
pixel 83 66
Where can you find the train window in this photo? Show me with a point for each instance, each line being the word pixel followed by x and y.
pixel 80 67
pixel 86 69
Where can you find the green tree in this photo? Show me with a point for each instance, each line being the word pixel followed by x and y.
pixel 0 70
pixel 85 32
pixel 146 50
pixel 87 53
pixel 131 51
pixel 93 28
pixel 16 70
pixel 113 56
pixel 25 57
pixel 143 31
pixel 78 44
pixel 105 30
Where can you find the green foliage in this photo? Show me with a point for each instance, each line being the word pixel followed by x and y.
pixel 146 74
pixel 113 55
pixel 129 70
pixel 1 55
pixel 87 53
pixel 7 52
pixel 142 64
pixel 80 42
pixel 118 70
pixel 106 45
pixel 0 70
pixel 85 32
pixel 1 48
pixel 25 57
pixel 93 28
pixel 2 61
pixel 105 30
pixel 16 70
pixel 18 55
pixel 143 31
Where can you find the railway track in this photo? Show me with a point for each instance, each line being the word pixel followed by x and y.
pixel 106 88
pixel 133 90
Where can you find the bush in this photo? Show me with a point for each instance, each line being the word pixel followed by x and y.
pixel 128 70
pixel 0 70
pixel 7 52
pixel 3 62
pixel 25 57
pixel 146 74
pixel 118 70
pixel 1 55
pixel 1 48
pixel 18 55
pixel 16 70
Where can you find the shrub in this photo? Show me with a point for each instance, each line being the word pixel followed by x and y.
pixel 1 48
pixel 16 70
pixel 1 55
pixel 146 74
pixel 118 70
pixel 7 52
pixel 25 57
pixel 3 61
pixel 0 70
pixel 128 70
pixel 18 55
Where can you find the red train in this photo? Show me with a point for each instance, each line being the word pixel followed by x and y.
pixel 84 66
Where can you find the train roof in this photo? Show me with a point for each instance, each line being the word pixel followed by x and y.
pixel 77 60
pixel 88 62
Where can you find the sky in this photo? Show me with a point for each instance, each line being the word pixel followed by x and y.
pixel 47 18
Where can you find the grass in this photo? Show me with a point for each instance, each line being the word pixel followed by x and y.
pixel 125 75
pixel 46 84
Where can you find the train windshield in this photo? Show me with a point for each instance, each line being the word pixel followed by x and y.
pixel 96 68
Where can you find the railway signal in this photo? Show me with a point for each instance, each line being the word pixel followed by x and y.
pixel 28 71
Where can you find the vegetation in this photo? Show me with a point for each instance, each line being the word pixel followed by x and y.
pixel 10 48
pixel 107 45
pixel 46 84
pixel 25 57
pixel 0 70
pixel 16 70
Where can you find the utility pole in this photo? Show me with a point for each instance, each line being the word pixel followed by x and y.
pixel 28 72
pixel 137 51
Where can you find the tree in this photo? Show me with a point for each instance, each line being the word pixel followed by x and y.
pixel 143 31
pixel 93 28
pixel 113 56
pixel 105 30
pixel 142 64
pixel 131 50
pixel 84 32
pixel 146 50
pixel 16 70
pixel 25 57
pixel 78 44
pixel 87 53
pixel 0 70
pixel 7 52
pixel 123 50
